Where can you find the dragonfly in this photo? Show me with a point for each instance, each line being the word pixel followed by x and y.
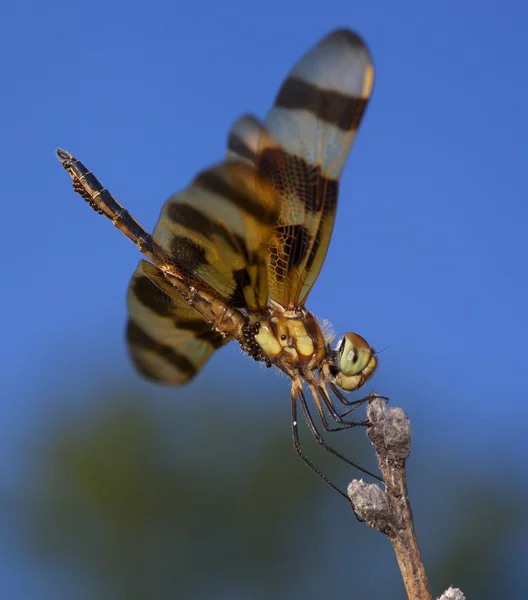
pixel 235 255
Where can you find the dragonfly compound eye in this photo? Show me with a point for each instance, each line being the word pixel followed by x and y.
pixel 354 354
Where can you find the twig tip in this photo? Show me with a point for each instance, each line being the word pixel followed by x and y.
pixel 390 431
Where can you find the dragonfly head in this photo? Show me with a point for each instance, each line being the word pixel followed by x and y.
pixel 355 362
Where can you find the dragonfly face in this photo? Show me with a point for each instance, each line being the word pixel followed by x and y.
pixel 235 255
pixel 355 360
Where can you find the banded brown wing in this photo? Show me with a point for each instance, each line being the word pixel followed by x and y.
pixel 169 341
pixel 219 229
pixel 244 139
pixel 303 147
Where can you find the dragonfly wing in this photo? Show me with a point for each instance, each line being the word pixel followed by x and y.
pixel 308 135
pixel 219 230
pixel 169 341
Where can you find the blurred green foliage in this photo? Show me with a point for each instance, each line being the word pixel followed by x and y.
pixel 137 500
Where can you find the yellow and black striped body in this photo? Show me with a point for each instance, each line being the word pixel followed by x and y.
pixel 292 341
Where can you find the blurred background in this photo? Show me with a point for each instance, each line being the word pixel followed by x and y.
pixel 112 488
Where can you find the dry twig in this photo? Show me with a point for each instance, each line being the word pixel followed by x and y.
pixel 389 511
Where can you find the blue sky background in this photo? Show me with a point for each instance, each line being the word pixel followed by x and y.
pixel 430 247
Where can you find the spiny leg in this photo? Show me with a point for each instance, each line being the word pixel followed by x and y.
pixel 299 450
pixel 344 400
pixel 321 441
pixel 352 404
pixel 320 390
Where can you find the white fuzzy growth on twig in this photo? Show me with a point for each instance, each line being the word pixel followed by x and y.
pixel 452 594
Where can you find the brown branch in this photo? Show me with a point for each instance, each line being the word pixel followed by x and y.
pixel 389 511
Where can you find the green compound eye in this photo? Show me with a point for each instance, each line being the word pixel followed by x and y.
pixel 354 354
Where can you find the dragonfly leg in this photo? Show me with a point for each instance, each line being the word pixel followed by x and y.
pixel 320 392
pixel 321 441
pixel 300 452
pixel 352 403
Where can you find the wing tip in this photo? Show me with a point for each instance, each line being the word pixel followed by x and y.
pixel 351 38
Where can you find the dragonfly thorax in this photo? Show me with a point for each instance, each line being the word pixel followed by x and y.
pixel 292 341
